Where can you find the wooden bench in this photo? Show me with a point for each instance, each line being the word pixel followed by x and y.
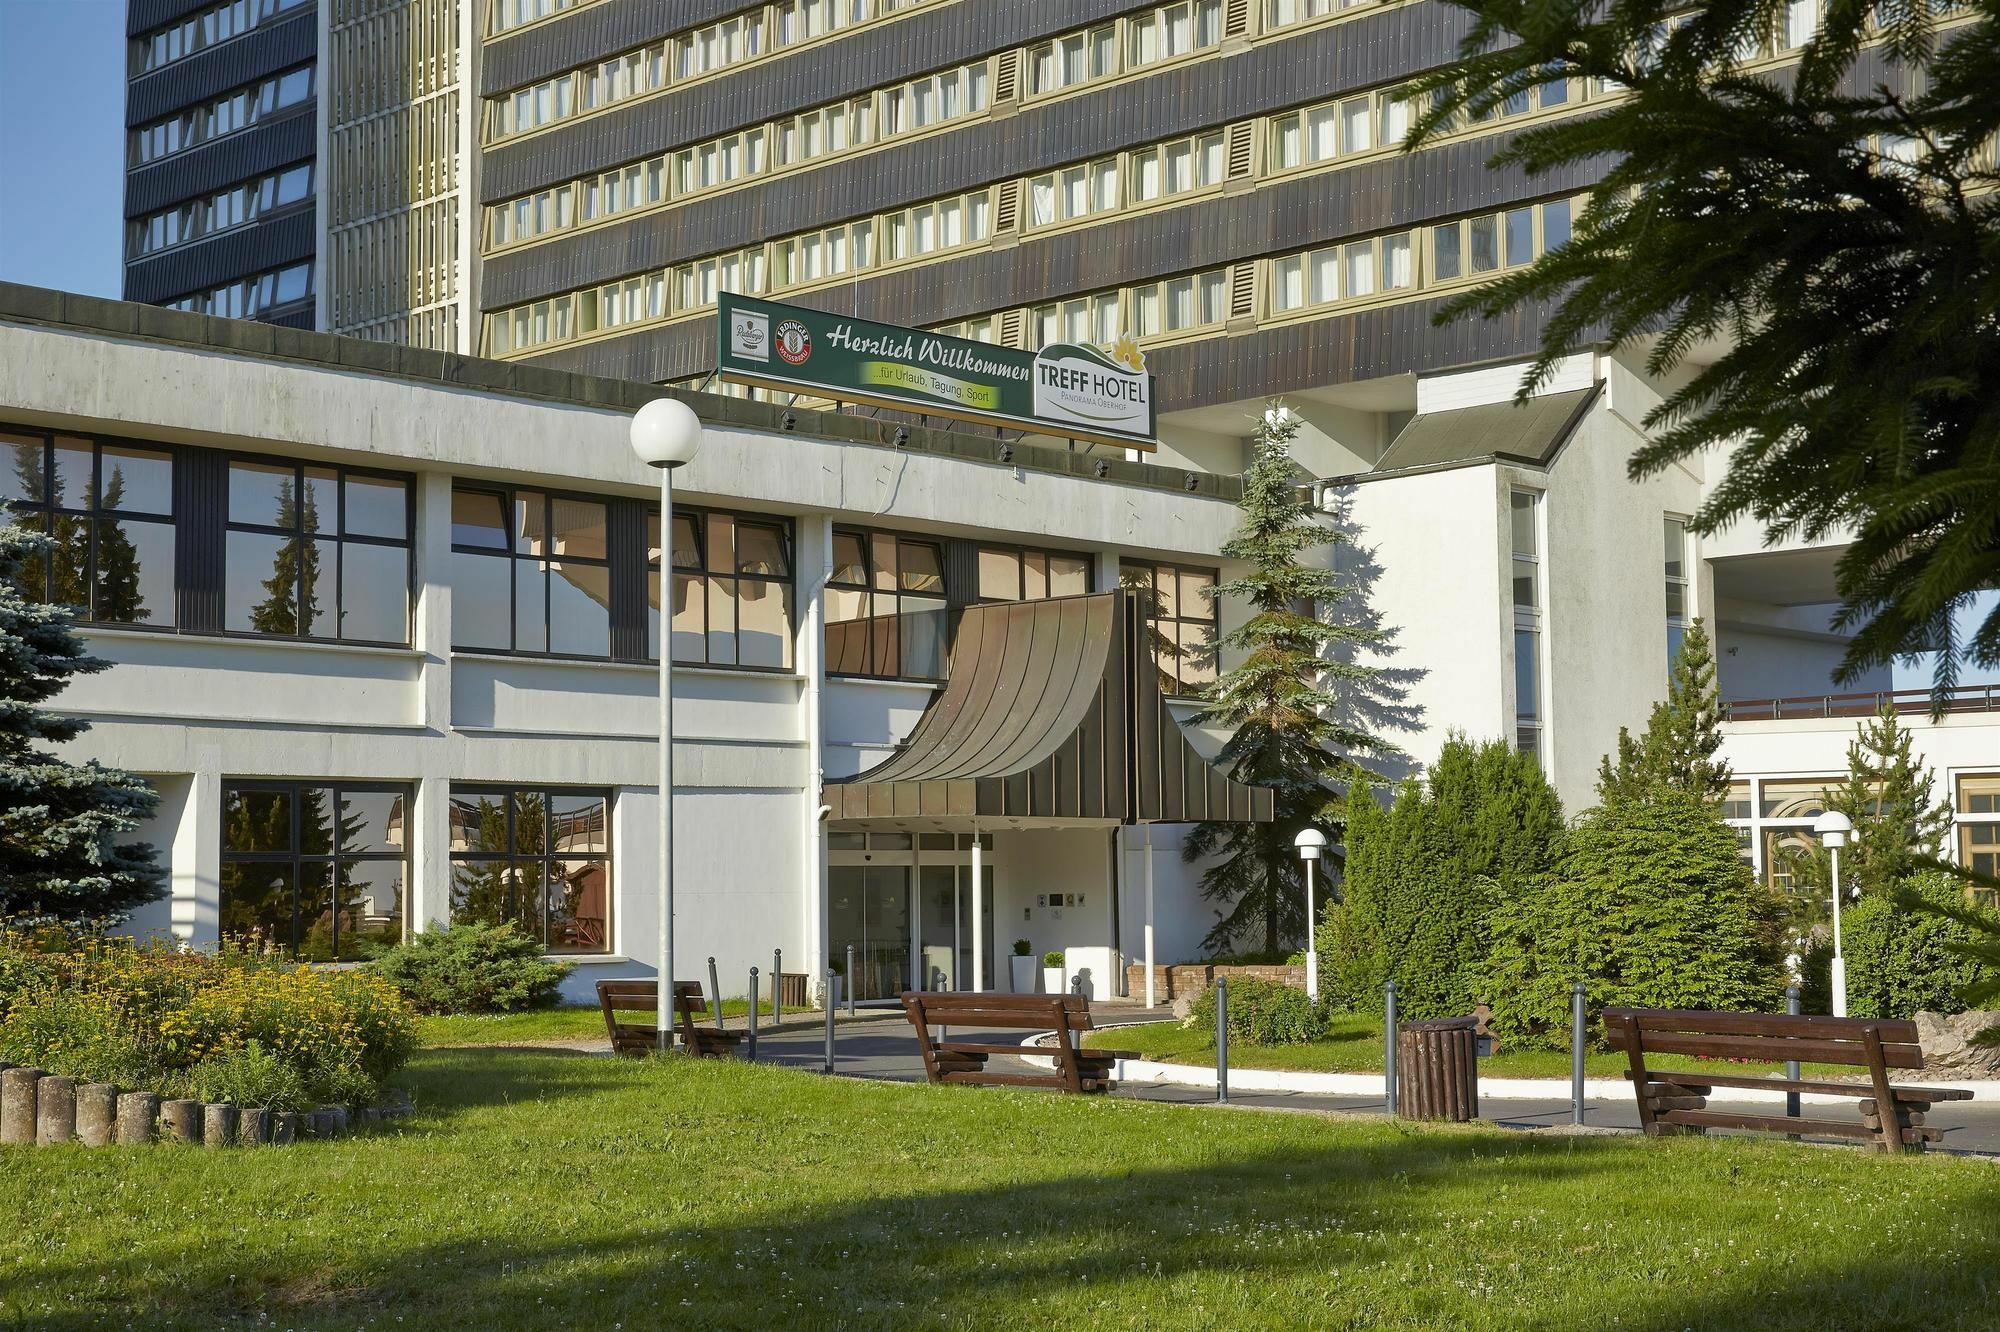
pixel 946 1060
pixel 643 996
pixel 1675 1102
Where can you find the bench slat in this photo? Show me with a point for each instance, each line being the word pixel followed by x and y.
pixel 1816 1128
pixel 1904 1095
pixel 1020 1080
pixel 1820 1025
pixel 1805 1049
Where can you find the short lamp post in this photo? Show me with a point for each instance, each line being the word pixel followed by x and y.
pixel 1833 828
pixel 666 434
pixel 1311 842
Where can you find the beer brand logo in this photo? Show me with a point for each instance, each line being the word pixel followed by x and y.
pixel 794 342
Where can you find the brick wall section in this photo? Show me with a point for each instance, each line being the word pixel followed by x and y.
pixel 1192 978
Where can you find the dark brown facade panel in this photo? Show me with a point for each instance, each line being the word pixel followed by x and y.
pixel 235 157
pixel 870 58
pixel 262 51
pixel 206 264
pixel 1195 97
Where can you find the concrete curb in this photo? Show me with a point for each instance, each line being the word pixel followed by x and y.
pixel 1495 1089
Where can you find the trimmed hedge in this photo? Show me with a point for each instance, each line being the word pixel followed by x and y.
pixel 472 969
pixel 1262 1012
pixel 1901 962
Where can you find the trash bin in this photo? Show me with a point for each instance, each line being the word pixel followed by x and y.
pixel 1436 1072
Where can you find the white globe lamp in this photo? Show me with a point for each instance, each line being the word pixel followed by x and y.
pixel 666 433
pixel 1311 844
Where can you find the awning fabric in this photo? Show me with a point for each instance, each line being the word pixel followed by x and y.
pixel 1050 710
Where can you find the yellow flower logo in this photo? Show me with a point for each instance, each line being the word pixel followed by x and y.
pixel 1126 352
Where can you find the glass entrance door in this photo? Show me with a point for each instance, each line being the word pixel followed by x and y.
pixel 868 909
pixel 948 938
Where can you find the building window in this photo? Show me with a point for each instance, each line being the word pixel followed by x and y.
pixel 1171 31
pixel 236 206
pixel 1176 167
pixel 1086 320
pixel 1677 588
pixel 1011 573
pixel 1185 617
pixel 1080 57
pixel 885 607
pixel 212 26
pixel 1182 304
pixel 531 572
pixel 225 115
pixel 732 590
pixel 537 857
pixel 1979 827
pixel 252 297
pixel 1283 13
pixel 942 225
pixel 316 869
pixel 1526 510
pixel 1474 246
pixel 108 510
pixel 824 254
pixel 317 552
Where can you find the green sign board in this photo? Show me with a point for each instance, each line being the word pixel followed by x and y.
pixel 1065 389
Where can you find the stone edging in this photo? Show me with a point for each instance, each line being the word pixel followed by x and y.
pixel 45 1109
pixel 1370 1084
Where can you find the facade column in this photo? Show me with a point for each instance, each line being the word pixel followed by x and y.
pixel 196 885
pixel 428 825
pixel 1151 998
pixel 978 911
pixel 815 566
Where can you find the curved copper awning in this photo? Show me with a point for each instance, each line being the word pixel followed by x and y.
pixel 1050 710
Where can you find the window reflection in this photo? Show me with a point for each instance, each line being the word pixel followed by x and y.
pixel 319 871
pixel 108 510
pixel 539 858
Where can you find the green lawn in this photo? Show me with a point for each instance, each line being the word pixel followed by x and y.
pixel 550 1189
pixel 568 1023
pixel 1355 1046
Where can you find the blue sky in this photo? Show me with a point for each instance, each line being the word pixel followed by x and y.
pixel 62 113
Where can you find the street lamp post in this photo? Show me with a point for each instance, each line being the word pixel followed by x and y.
pixel 666 434
pixel 1310 842
pixel 1832 828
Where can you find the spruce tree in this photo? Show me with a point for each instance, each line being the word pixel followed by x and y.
pixel 1283 701
pixel 1424 878
pixel 1899 828
pixel 60 822
pixel 1680 751
pixel 1830 227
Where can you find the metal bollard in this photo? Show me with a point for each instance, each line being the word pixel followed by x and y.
pixel 751 1043
pixel 1576 1038
pixel 777 977
pixel 1222 1040
pixel 1792 1065
pixel 832 997
pixel 1389 1044
pixel 847 980
pixel 715 994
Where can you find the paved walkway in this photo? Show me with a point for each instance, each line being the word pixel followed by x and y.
pixel 886 1049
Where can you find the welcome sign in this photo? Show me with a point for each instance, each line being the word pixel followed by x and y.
pixel 1065 389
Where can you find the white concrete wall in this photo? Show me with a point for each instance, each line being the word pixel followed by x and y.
pixel 1606 627
pixel 1438 538
pixel 750 748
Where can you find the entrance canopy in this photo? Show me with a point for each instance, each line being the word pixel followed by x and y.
pixel 1051 711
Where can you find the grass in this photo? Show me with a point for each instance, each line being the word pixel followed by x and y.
pixel 549 1189
pixel 1355 1046
pixel 571 1022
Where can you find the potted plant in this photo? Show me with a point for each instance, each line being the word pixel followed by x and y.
pixel 1021 967
pixel 1052 971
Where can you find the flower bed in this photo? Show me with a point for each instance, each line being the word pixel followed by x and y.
pixel 230 1027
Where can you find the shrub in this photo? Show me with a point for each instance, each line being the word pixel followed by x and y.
pixel 79 1035
pixel 472 969
pixel 1650 907
pixel 1423 877
pixel 1052 958
pixel 253 1077
pixel 1022 948
pixel 1901 962
pixel 1262 1012
pixel 148 1015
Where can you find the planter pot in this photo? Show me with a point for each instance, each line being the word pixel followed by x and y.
pixel 1052 980
pixel 1021 971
